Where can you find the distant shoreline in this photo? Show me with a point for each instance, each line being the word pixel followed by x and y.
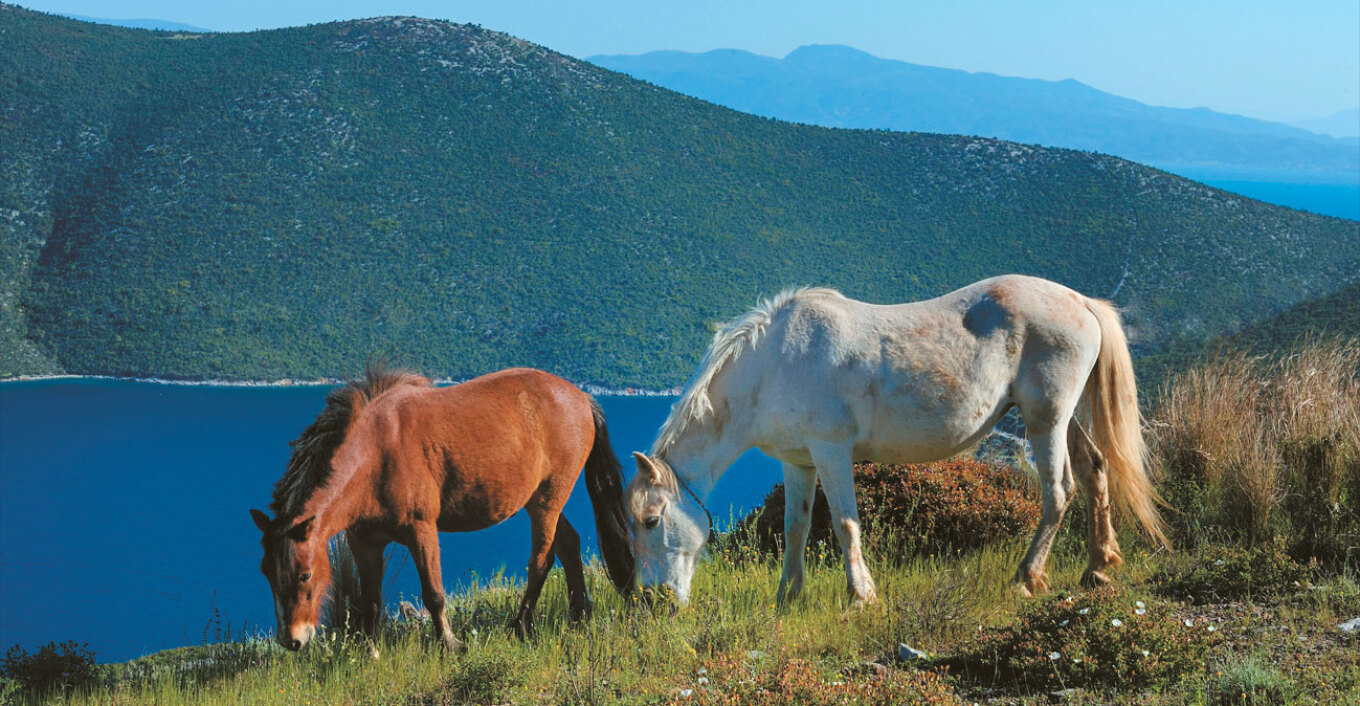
pixel 318 382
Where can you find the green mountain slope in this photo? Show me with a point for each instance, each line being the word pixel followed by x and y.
pixel 284 203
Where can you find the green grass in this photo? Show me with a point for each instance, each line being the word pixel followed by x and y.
pixel 733 636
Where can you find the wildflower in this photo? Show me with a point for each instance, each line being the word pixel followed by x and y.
pixel 1076 660
pixel 1189 622
pixel 686 693
pixel 1140 604
pixel 1220 562
pixel 1140 611
pixel 703 671
pixel 1054 655
pixel 1117 622
pixel 1212 628
pixel 1145 653
pixel 1064 623
pixel 703 681
pixel 1083 611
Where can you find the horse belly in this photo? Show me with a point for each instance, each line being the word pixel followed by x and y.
pixel 481 504
pixel 906 431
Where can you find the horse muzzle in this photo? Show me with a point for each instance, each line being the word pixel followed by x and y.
pixel 297 637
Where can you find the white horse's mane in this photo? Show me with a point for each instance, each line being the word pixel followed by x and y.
pixel 731 340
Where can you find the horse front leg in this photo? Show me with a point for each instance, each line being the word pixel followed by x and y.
pixel 800 488
pixel 368 559
pixel 836 469
pixel 424 546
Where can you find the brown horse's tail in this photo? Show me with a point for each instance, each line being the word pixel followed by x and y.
pixel 604 482
pixel 1116 425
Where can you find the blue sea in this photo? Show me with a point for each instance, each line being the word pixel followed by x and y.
pixel 124 509
pixel 1326 193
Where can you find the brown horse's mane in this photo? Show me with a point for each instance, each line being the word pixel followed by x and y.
pixel 310 465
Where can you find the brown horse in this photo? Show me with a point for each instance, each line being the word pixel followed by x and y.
pixel 393 459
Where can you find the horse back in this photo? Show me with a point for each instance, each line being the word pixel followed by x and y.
pixel 476 452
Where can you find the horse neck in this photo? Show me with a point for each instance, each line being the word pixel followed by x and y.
pixel 342 500
pixel 703 453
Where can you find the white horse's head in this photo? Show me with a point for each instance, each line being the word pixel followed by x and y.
pixel 669 526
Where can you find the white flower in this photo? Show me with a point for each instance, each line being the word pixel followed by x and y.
pixel 1140 611
pixel 1064 623
pixel 703 671
pixel 1053 655
pixel 1076 660
pixel 1140 604
pixel 703 681
pixel 1145 653
pixel 1220 562
pixel 686 693
pixel 1213 628
pixel 1083 611
pixel 1117 622
pixel 1189 622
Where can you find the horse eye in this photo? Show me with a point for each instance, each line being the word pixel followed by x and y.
pixel 652 522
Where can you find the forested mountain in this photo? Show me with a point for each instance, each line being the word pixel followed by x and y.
pixel 285 203
pixel 837 86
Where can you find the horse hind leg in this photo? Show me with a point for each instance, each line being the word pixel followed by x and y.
pixel 1055 480
pixel 543 525
pixel 567 547
pixel 1102 546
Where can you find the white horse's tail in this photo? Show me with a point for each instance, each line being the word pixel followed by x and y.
pixel 1112 396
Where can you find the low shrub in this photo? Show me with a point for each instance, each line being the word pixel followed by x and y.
pixel 947 506
pixel 480 677
pixel 1100 639
pixel 54 665
pixel 1217 574
pixel 796 682
pixel 1250 683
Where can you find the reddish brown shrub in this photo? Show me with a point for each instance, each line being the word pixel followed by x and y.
pixel 947 506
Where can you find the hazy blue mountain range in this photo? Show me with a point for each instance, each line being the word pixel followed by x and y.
pixel 162 25
pixel 837 86
pixel 1343 124
pixel 285 203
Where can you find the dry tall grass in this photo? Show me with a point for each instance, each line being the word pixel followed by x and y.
pixel 1259 448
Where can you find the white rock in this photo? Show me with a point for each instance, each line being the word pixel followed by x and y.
pixel 1351 626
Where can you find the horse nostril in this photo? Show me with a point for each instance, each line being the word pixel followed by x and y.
pixel 290 643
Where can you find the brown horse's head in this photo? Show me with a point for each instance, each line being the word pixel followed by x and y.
pixel 299 572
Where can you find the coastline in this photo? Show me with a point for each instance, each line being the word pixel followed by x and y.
pixel 590 388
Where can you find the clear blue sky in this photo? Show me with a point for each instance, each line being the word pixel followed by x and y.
pixel 1281 59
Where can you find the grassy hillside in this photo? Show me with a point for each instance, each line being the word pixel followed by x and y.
pixel 284 203
pixel 1335 316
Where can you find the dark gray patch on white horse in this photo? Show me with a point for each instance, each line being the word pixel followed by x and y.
pixel 985 317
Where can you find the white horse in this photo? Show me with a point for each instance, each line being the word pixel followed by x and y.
pixel 818 381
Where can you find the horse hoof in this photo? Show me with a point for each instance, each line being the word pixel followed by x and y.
pixel 1094 579
pixel 1032 586
pixel 581 612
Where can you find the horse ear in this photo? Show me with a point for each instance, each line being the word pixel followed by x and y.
pixel 298 532
pixel 261 520
pixel 647 468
